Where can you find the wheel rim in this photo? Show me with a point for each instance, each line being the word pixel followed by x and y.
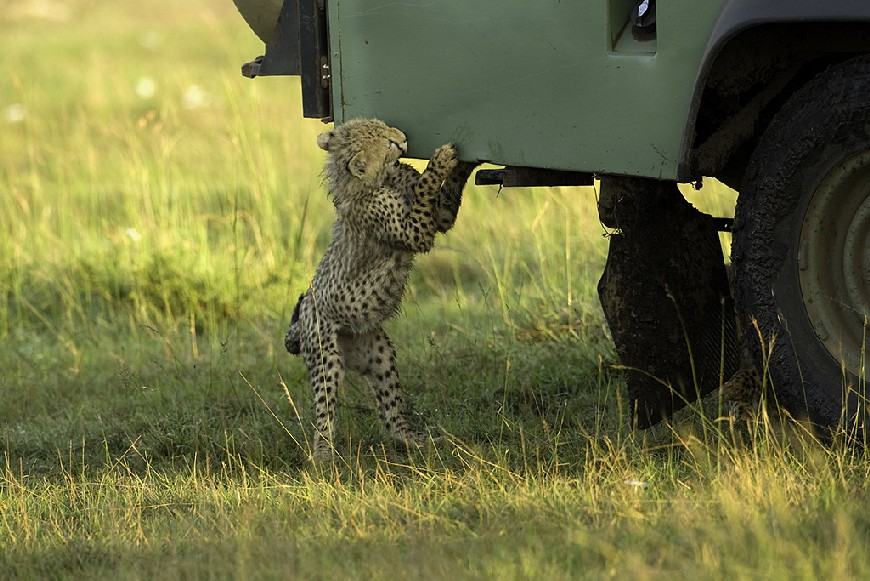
pixel 834 262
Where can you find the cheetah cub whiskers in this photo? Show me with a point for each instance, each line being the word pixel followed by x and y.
pixel 386 212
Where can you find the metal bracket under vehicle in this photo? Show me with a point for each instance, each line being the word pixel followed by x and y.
pixel 531 177
pixel 300 46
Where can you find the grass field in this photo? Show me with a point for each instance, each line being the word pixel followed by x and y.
pixel 159 216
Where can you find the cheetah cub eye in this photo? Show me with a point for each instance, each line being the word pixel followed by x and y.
pixel 395 152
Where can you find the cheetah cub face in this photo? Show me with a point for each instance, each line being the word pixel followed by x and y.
pixel 362 150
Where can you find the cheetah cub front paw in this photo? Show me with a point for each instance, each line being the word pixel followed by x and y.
pixel 446 157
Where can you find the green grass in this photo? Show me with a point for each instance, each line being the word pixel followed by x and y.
pixel 153 246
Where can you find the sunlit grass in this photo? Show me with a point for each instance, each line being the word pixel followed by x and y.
pixel 160 214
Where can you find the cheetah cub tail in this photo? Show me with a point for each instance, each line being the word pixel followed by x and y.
pixel 293 339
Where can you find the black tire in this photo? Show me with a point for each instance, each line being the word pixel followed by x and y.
pixel 816 134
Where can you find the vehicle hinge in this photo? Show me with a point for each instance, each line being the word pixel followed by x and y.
pixel 325 74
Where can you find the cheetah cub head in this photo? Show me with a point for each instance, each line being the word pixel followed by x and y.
pixel 362 152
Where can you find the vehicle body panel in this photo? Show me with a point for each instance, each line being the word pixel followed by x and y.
pixel 553 84
pixel 550 84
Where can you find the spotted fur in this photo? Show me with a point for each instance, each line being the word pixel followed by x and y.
pixel 742 393
pixel 743 390
pixel 386 213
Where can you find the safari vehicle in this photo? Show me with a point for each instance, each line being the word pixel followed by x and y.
pixel 770 97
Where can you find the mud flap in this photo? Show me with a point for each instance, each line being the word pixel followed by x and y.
pixel 665 296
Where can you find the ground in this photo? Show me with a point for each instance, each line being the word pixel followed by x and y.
pixel 161 214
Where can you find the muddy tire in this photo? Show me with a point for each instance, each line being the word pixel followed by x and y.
pixel 801 249
pixel 665 296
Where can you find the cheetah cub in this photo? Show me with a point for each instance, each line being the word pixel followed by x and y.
pixel 386 212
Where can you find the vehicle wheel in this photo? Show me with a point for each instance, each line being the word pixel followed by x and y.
pixel 801 248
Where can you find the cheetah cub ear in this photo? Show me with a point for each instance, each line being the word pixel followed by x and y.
pixel 358 166
pixel 323 140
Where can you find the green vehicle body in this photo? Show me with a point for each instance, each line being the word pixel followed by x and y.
pixel 524 87
pixel 552 84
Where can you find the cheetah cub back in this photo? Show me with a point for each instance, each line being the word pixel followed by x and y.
pixel 386 213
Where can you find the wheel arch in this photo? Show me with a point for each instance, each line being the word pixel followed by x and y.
pixel 757 54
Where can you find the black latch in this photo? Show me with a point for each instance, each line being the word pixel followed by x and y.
pixel 643 19
pixel 252 69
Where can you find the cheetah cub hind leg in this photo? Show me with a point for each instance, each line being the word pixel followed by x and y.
pixel 373 356
pixel 293 338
